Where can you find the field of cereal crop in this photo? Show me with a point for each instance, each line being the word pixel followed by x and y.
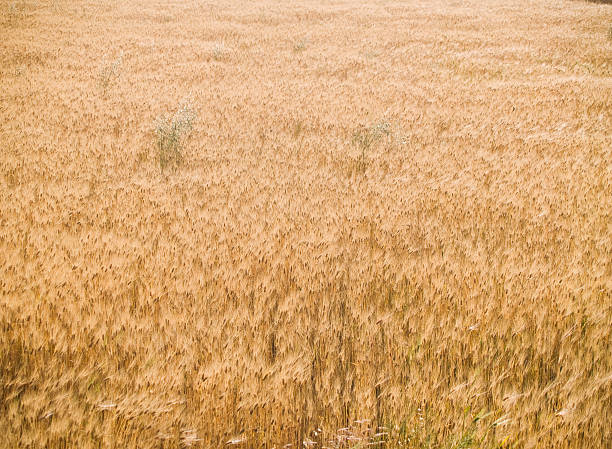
pixel 313 224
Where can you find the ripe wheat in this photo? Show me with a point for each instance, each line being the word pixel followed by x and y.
pixel 456 293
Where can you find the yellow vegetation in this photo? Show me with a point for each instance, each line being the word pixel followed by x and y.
pixel 391 224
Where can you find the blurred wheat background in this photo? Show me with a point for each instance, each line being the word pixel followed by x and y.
pixel 310 224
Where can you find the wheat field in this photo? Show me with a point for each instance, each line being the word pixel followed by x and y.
pixel 383 223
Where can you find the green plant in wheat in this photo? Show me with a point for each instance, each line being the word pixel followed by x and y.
pixel 109 71
pixel 12 8
pixel 365 138
pixel 170 134
pixel 219 51
pixel 299 45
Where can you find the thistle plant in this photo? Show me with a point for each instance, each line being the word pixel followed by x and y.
pixel 170 133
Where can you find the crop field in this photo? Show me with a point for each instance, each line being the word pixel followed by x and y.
pixel 305 225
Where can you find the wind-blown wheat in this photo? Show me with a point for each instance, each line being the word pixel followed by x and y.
pixel 457 293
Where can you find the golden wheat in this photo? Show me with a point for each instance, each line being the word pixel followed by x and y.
pixel 391 225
